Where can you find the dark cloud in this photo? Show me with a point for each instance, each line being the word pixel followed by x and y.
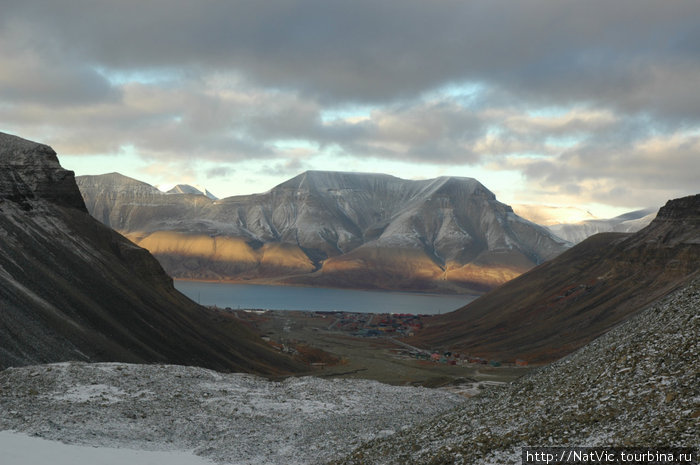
pixel 594 97
pixel 219 172
pixel 366 50
pixel 287 169
pixel 30 75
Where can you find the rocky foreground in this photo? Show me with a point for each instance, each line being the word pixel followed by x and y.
pixel 228 418
pixel 638 385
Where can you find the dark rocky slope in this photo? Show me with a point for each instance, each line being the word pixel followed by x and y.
pixel 73 289
pixel 563 304
pixel 638 385
pixel 331 229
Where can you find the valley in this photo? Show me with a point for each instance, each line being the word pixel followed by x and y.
pixel 371 346
pixel 597 345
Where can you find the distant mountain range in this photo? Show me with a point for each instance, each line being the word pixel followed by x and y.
pixel 574 225
pixel 73 289
pixel 629 222
pixel 331 229
pixel 563 304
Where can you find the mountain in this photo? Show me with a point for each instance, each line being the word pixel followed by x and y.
pixel 331 229
pixel 628 222
pixel 574 224
pixel 188 189
pixel 564 303
pixel 634 387
pixel 73 289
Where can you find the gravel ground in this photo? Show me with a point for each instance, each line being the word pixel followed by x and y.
pixel 228 418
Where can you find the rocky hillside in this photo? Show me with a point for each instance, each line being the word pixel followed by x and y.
pixel 563 304
pixel 635 386
pixel 73 289
pixel 331 229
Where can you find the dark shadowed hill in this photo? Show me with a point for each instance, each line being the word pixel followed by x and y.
pixel 566 302
pixel 331 229
pixel 73 289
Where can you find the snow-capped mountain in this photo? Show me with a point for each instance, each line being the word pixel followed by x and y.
pixel 628 222
pixel 189 189
pixel 333 228
pixel 574 224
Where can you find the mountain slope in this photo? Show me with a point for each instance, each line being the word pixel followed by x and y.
pixel 564 303
pixel 73 289
pixel 332 228
pixel 636 386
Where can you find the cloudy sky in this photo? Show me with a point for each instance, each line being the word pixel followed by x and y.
pixel 590 103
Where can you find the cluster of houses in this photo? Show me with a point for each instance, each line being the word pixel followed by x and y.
pixel 376 324
pixel 402 324
pixel 451 358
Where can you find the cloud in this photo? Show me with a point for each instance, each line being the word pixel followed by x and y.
pixel 645 173
pixel 29 74
pixel 584 98
pixel 287 168
pixel 371 51
pixel 219 172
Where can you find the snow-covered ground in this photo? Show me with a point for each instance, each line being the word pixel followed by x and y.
pixel 125 409
pixel 21 449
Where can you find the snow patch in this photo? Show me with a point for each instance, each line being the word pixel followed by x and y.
pixel 22 449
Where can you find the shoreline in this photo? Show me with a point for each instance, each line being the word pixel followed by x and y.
pixel 256 282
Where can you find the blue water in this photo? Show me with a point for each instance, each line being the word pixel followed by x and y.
pixel 318 299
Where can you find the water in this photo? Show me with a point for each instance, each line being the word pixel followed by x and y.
pixel 318 299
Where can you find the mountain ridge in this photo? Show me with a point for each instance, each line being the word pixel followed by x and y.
pixel 416 235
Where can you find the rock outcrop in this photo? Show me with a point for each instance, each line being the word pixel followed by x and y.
pixel 331 229
pixel 73 289
pixel 29 170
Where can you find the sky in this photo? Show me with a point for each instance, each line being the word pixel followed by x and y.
pixel 591 104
